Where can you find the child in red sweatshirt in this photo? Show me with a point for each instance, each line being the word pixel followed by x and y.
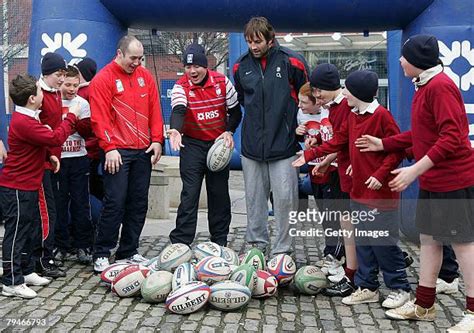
pixel 20 180
pixel 376 226
pixel 445 167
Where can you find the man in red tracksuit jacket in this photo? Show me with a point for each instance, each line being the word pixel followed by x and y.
pixel 126 118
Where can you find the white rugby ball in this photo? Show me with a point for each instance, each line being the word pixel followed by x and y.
pixel 266 286
pixel 109 274
pixel 156 286
pixel 283 268
pixel 183 274
pixel 218 156
pixel 173 255
pixel 213 269
pixel 207 249
pixel 229 295
pixel 128 282
pixel 189 298
pixel 230 255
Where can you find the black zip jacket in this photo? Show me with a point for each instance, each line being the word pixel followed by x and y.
pixel 270 99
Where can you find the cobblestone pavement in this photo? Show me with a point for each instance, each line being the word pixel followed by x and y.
pixel 79 303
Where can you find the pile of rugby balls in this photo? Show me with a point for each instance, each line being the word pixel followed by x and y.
pixel 186 280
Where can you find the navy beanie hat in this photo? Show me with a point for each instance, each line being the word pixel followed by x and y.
pixel 325 77
pixel 195 55
pixel 52 62
pixel 421 51
pixel 363 85
pixel 88 68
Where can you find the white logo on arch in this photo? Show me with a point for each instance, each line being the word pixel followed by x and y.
pixel 448 55
pixel 73 46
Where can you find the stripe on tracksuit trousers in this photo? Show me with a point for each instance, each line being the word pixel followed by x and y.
pixel 43 244
pixel 20 212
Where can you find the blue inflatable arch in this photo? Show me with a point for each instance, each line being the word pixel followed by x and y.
pixel 79 27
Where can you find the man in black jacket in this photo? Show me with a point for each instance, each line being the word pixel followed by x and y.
pixel 267 79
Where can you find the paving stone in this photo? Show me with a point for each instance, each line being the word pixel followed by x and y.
pixel 129 325
pixel 288 316
pixel 254 314
pixel 251 325
pixel 271 320
pixel 207 329
pixel 211 321
pixel 231 328
pixel 189 325
pixel 347 322
pixel 269 328
pixel 289 308
pixel 232 317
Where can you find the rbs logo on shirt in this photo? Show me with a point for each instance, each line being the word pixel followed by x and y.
pixel 208 115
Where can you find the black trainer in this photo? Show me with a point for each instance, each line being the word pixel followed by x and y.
pixel 51 270
pixel 342 288
pixel 408 259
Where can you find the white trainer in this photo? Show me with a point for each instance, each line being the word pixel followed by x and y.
pixel 395 299
pixel 34 279
pixel 100 264
pixel 465 325
pixel 20 290
pixel 135 259
pixel 361 296
pixel 336 275
pixel 443 287
pixel 331 263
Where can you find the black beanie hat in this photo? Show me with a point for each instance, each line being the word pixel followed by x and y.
pixel 88 68
pixel 52 62
pixel 195 55
pixel 363 85
pixel 421 51
pixel 325 77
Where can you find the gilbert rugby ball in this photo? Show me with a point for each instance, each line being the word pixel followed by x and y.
pixel 245 275
pixel 228 295
pixel 255 258
pixel 230 255
pixel 156 286
pixel 266 286
pixel 128 282
pixel 310 280
pixel 207 249
pixel 212 269
pixel 109 274
pixel 189 298
pixel 218 156
pixel 283 268
pixel 172 256
pixel 183 274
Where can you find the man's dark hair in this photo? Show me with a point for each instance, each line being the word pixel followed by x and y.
pixel 259 26
pixel 72 71
pixel 21 88
pixel 125 41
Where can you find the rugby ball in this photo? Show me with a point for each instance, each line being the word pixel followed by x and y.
pixel 310 280
pixel 172 256
pixel 283 268
pixel 266 286
pixel 156 286
pixel 218 156
pixel 109 274
pixel 183 274
pixel 207 249
pixel 230 255
pixel 245 275
pixel 212 269
pixel 255 258
pixel 189 298
pixel 228 295
pixel 129 280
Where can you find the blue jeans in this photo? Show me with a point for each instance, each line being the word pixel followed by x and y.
pixel 379 253
pixel 125 203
